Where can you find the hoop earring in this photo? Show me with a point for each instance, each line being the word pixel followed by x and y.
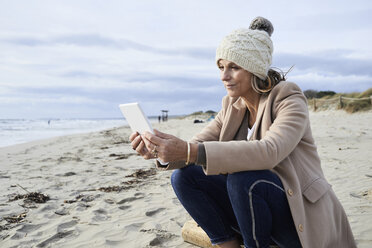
pixel 269 87
pixel 254 84
pixel 269 80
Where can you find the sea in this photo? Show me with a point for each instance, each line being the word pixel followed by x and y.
pixel 17 131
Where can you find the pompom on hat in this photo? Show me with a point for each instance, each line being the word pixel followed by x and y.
pixel 250 48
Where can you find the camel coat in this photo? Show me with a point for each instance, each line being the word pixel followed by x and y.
pixel 282 142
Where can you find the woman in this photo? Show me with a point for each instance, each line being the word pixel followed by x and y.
pixel 254 170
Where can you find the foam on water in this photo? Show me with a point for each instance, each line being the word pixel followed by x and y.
pixel 16 131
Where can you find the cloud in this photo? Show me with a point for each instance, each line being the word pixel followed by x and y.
pixel 74 100
pixel 79 102
pixel 331 62
pixel 73 39
pixel 179 79
pixel 83 58
pixel 96 40
pixel 156 87
pixel 337 83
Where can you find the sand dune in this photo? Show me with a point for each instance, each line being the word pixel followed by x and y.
pixel 103 195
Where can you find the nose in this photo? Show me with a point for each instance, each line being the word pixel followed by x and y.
pixel 225 75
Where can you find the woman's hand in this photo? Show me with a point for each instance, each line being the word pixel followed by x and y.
pixel 168 147
pixel 139 146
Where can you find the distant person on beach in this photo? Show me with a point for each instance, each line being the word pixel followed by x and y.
pixel 254 172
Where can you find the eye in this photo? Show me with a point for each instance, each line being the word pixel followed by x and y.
pixel 220 67
pixel 235 67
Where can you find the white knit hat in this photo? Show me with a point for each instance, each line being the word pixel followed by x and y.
pixel 250 49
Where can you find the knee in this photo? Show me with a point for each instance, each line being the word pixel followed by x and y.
pixel 183 176
pixel 176 177
pixel 243 181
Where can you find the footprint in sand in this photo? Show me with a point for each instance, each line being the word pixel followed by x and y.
pixel 100 215
pixel 4 174
pixel 65 159
pixel 55 238
pixel 26 228
pixel 367 194
pixel 130 199
pixel 124 207
pixel 153 212
pixel 111 243
pixel 17 236
pixel 66 225
pixel 177 222
pixel 68 174
pixel 109 201
pixel 155 242
pixel 29 227
pixel 161 236
pixel 133 226
pixel 88 198
pixel 62 211
pixel 119 156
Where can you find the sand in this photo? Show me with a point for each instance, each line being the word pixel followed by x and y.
pixel 103 195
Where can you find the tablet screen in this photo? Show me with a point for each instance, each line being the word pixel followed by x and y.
pixel 135 117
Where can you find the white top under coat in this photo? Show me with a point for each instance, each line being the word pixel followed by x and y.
pixel 250 131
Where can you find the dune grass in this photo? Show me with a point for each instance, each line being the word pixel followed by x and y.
pixel 350 102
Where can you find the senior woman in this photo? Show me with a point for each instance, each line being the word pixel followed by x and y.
pixel 254 170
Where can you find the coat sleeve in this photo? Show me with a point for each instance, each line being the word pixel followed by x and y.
pixel 288 107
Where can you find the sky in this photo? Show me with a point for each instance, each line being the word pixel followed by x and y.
pixel 82 58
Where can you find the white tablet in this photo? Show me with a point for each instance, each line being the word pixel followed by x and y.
pixel 135 117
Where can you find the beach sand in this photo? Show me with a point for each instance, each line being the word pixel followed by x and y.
pixel 104 195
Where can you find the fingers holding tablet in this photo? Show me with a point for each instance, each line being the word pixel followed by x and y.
pixel 135 139
pixel 151 146
pixel 143 146
pixel 133 136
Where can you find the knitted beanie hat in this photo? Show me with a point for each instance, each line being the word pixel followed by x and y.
pixel 250 48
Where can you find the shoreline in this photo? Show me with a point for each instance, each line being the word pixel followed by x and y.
pixel 203 117
pixel 103 194
pixel 25 134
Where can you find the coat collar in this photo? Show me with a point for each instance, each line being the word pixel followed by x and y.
pixel 233 120
pixel 236 116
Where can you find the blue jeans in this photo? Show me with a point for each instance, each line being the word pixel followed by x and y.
pixel 252 204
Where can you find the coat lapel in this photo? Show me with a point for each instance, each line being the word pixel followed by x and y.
pixel 260 111
pixel 234 119
pixel 236 115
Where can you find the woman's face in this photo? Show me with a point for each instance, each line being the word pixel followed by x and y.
pixel 237 81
